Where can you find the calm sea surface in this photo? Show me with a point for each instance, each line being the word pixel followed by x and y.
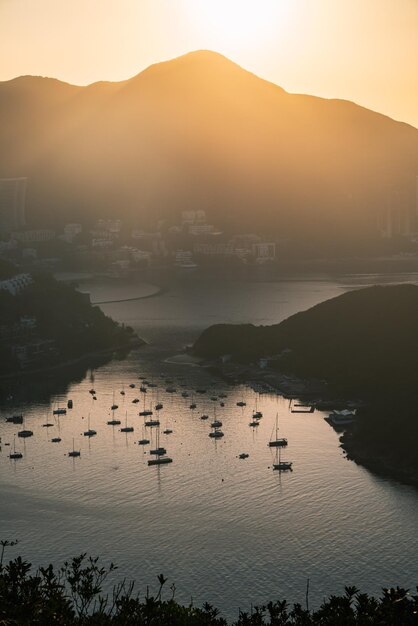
pixel 225 530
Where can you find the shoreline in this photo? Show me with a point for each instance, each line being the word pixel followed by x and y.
pixel 135 343
pixel 159 292
pixel 378 464
pixel 317 394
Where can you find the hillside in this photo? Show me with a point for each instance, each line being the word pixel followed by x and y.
pixel 201 132
pixel 49 324
pixel 362 341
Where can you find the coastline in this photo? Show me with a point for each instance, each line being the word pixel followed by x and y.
pixel 160 291
pixel 382 466
pixel 136 342
pixel 322 397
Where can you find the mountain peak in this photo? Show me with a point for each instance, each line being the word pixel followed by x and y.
pixel 194 61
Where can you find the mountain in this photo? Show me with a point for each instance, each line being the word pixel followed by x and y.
pixel 364 341
pixel 201 132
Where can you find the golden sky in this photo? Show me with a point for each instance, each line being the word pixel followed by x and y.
pixel 361 50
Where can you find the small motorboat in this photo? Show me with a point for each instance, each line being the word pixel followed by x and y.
pixel 135 401
pixel 244 455
pixel 47 425
pixel 143 442
pixel 145 413
pixel 160 461
pixel 159 406
pixel 25 433
pixel 204 417
pixel 132 385
pixel 241 403
pixel 15 419
pixel 152 423
pixel 113 422
pixel 167 431
pixel 74 452
pixel 158 451
pixel 193 405
pixel 185 394
pixel 60 411
pixel 216 424
pixel 56 439
pixel 70 404
pixel 216 434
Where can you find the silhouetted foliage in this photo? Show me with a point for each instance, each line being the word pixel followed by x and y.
pixel 73 595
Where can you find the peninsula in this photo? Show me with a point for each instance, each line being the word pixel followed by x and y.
pixel 364 344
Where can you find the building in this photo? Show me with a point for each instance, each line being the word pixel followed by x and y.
pixel 201 229
pixel 215 248
pixel 71 231
pixel 38 235
pixel 264 251
pixel 17 284
pixel 12 204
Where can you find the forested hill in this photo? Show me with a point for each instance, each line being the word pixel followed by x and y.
pixel 364 340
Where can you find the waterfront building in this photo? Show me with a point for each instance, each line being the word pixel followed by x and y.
pixel 12 204
pixel 264 251
pixel 16 284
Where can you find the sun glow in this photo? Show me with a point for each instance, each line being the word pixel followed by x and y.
pixel 240 23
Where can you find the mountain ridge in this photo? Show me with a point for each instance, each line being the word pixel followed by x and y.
pixel 199 131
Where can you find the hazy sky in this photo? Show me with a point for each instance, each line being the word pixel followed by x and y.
pixel 362 50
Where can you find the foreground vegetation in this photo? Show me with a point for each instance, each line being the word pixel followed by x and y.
pixel 73 595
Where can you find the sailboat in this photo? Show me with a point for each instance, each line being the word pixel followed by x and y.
pixel 277 442
pixel 14 454
pixel 126 428
pixel 24 433
pixel 113 421
pixel 159 404
pixel 144 441
pixel 159 452
pixel 216 423
pixel 90 432
pixel 241 402
pixel 281 466
pixel 145 412
pixel 114 406
pixel 193 404
pixel 74 452
pixel 256 413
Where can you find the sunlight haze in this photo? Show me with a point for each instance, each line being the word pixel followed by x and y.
pixel 361 51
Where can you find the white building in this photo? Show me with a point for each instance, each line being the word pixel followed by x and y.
pixel 71 231
pixel 34 236
pixel 201 229
pixel 264 251
pixel 214 248
pixel 17 284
